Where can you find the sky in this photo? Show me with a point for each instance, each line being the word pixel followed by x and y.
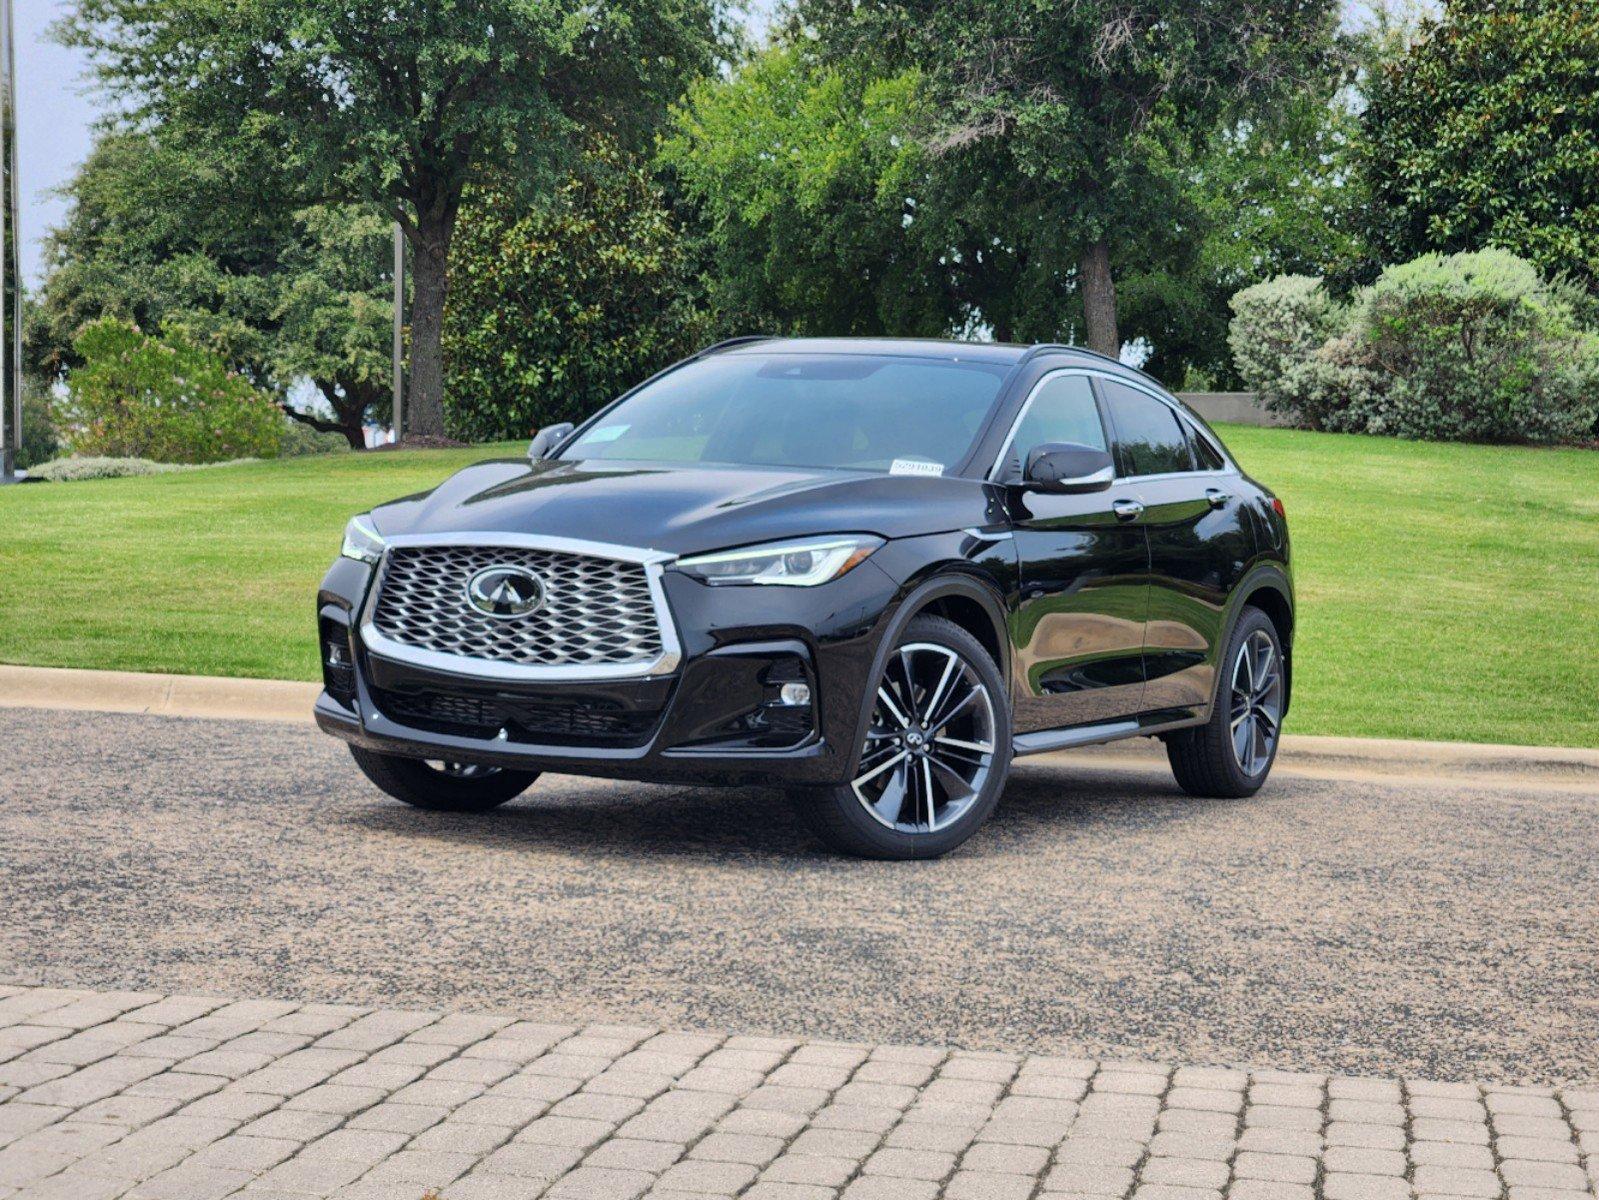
pixel 54 115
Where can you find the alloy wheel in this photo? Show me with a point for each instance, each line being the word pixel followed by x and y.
pixel 457 770
pixel 1257 702
pixel 930 747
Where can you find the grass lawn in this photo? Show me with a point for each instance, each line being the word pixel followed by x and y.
pixel 1445 592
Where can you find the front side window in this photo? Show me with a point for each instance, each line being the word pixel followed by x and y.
pixel 842 411
pixel 1148 433
pixel 1062 409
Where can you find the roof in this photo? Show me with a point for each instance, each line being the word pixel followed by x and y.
pixel 900 347
pixel 934 348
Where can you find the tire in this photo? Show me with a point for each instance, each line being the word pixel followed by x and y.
pixel 889 811
pixel 1207 759
pixel 450 787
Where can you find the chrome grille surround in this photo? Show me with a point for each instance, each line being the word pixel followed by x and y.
pixel 604 616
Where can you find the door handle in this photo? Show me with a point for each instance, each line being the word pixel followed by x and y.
pixel 1127 510
pixel 1217 497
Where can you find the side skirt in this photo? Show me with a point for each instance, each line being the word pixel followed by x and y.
pixel 1045 740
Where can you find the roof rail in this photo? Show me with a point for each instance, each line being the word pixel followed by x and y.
pixel 727 343
pixel 1038 348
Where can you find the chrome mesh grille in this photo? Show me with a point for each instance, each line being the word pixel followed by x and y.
pixel 596 611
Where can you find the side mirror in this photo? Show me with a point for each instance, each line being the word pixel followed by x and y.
pixel 547 438
pixel 1068 467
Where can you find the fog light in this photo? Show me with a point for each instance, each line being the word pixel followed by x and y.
pixel 795 695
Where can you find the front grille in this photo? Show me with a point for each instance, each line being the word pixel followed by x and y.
pixel 589 721
pixel 596 612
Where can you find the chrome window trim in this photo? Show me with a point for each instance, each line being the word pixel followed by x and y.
pixel 1027 404
pixel 1231 468
pixel 653 561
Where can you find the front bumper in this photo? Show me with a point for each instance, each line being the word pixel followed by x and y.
pixel 715 717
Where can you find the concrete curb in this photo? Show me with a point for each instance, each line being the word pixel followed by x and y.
pixel 290 701
pixel 162 695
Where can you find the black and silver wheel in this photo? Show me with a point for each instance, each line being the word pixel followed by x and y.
pixel 442 786
pixel 1231 755
pixel 935 756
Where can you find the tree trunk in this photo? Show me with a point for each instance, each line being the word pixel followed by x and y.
pixel 1099 299
pixel 430 285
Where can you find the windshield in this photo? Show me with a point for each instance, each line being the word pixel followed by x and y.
pixel 853 411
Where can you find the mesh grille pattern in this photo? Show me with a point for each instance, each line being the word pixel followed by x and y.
pixel 584 721
pixel 596 610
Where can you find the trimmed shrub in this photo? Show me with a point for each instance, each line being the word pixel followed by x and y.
pixel 1476 347
pixel 1278 325
pixel 72 470
pixel 164 399
pixel 1463 347
pixel 299 439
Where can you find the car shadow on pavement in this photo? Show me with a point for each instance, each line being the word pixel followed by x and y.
pixel 759 825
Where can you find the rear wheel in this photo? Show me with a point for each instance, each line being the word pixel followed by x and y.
pixel 442 786
pixel 1231 755
pixel 936 754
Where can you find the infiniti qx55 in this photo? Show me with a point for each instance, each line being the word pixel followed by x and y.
pixel 871 572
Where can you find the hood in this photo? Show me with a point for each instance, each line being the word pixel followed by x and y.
pixel 682 509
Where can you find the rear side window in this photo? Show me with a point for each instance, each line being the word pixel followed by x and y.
pixel 1149 436
pixel 1062 410
pixel 1205 453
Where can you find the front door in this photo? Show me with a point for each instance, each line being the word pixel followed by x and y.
pixel 1078 630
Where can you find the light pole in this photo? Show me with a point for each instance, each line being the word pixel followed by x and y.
pixel 10 261
pixel 399 327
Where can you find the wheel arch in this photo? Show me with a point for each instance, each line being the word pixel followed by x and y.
pixel 960 597
pixel 1269 590
pixel 975 609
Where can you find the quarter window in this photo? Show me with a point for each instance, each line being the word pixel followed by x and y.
pixel 1062 410
pixel 1205 453
pixel 1148 434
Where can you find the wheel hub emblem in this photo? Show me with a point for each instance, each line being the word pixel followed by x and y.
pixel 913 740
pixel 505 591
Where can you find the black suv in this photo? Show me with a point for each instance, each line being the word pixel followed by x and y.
pixel 870 571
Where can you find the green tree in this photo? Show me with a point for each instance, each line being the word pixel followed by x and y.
pixel 174 239
pixel 823 212
pixel 333 313
pixel 397 106
pixel 1063 123
pixel 1486 133
pixel 558 309
pixel 807 184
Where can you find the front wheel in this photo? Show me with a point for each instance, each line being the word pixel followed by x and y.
pixel 442 786
pixel 1231 755
pixel 936 754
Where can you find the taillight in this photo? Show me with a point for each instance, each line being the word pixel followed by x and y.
pixel 1277 507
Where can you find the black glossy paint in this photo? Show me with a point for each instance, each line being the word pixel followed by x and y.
pixel 1098 619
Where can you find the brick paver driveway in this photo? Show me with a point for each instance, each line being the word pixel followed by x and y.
pixel 187 1098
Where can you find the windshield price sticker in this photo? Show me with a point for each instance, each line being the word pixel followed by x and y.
pixel 915 466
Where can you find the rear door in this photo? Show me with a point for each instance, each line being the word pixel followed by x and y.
pixel 1078 630
pixel 1199 541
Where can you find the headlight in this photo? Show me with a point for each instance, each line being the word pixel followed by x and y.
pixel 792 564
pixel 361 540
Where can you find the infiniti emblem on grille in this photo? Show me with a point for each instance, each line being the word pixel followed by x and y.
pixel 505 591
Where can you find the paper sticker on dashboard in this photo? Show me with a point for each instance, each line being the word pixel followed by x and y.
pixel 915 466
pixel 606 433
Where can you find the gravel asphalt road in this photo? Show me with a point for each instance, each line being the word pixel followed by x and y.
pixel 1358 925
